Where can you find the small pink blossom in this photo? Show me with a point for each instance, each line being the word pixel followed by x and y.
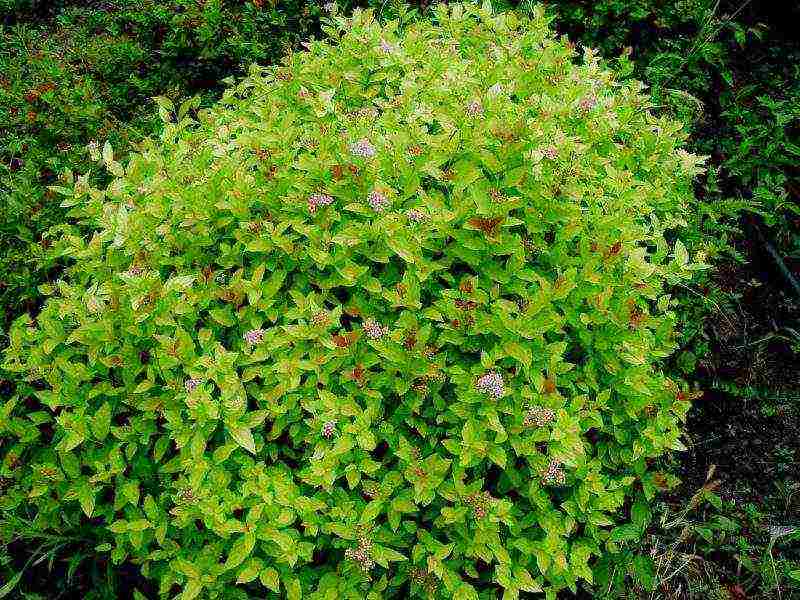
pixel 554 474
pixel 367 112
pixel 587 103
pixel 375 330
pixel 328 429
pixel 317 200
pixel 361 555
pixel 550 152
pixel 387 47
pixel 363 147
pixel 254 336
pixel 491 384
pixel 135 271
pixel 539 416
pixel 191 384
pixel 474 108
pixel 416 216
pixel 378 201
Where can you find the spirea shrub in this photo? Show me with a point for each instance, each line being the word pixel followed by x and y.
pixel 387 322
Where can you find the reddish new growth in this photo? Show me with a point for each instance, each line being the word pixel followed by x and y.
pixel 370 490
pixel 361 554
pixel 424 579
pixel 186 496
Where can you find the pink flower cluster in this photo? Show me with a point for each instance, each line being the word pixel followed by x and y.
pixel 550 152
pixel 480 502
pixel 317 200
pixel 363 147
pixel 191 384
pixel 328 429
pixel 496 89
pixel 416 216
pixel 361 555
pixel 539 416
pixel 387 47
pixel 378 201
pixel 254 336
pixel 375 330
pixel 135 271
pixel 491 384
pixel 474 108
pixel 554 475
pixel 587 103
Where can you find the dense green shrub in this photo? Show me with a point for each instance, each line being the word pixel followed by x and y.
pixel 386 322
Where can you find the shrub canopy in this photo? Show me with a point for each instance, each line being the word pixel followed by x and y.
pixel 385 323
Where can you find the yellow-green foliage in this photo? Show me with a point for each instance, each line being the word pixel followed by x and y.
pixel 385 323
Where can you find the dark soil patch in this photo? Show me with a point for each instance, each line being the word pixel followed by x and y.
pixel 754 340
pixel 752 449
pixel 90 579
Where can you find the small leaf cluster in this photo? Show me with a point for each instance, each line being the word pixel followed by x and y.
pixel 386 322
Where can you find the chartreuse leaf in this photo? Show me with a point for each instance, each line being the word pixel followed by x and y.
pixel 244 437
pixel 240 550
pixel 270 579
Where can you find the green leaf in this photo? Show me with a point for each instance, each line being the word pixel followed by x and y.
pixel 269 579
pixel 240 550
pixel 222 316
pixel 681 254
pixel 497 455
pixel 293 589
pixel 10 585
pixel 383 555
pixel 519 352
pixel 249 571
pixel 191 590
pixel 101 422
pixel 371 511
pixel 625 533
pixel 644 571
pixel 244 437
pixel 86 498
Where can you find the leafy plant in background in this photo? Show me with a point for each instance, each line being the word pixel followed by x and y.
pixel 387 322
pixel 73 73
pixel 760 558
pixel 729 70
